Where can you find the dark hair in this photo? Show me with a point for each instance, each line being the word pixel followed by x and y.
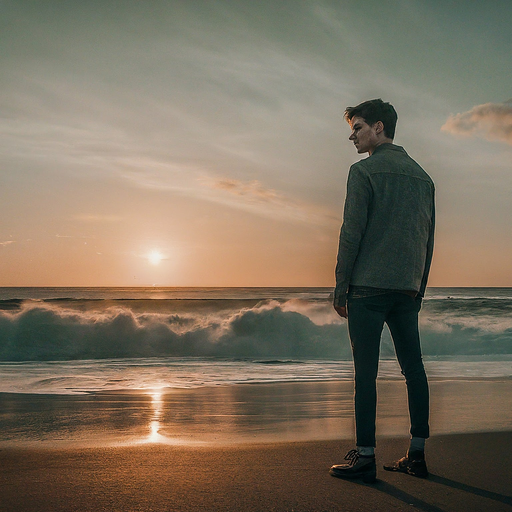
pixel 375 110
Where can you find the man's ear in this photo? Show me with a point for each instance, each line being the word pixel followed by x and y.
pixel 378 127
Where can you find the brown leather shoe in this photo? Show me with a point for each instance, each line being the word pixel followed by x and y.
pixel 359 466
pixel 413 464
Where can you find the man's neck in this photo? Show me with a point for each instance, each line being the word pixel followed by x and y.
pixel 379 143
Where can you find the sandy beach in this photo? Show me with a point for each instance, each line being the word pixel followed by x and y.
pixel 469 472
pixel 249 448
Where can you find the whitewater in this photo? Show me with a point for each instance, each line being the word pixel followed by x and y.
pixel 81 340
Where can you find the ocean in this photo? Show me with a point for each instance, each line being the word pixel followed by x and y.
pixel 118 366
pixel 82 340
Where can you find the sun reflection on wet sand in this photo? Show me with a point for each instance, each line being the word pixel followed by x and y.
pixel 154 426
pixel 157 424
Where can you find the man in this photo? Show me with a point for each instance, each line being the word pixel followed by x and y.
pixel 385 250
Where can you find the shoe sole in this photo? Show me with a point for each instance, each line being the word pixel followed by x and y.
pixel 367 478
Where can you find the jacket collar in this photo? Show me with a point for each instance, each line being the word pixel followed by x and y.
pixel 388 146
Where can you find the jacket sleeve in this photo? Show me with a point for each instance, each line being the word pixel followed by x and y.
pixel 430 249
pixel 355 217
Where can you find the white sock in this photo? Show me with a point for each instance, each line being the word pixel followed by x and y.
pixel 417 444
pixel 366 451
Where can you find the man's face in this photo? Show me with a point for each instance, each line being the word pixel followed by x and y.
pixel 363 135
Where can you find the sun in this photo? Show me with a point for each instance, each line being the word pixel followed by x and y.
pixel 155 257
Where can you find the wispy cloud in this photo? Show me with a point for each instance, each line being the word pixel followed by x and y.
pixel 252 190
pixel 253 196
pixel 8 242
pixel 492 121
pixel 189 180
pixel 151 173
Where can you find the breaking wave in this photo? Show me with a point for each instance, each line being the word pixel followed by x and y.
pixel 271 329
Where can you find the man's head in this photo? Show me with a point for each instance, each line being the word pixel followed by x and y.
pixel 373 122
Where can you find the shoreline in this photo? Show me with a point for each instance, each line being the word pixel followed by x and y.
pixel 470 472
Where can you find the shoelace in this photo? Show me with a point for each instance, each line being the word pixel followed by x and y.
pixel 353 457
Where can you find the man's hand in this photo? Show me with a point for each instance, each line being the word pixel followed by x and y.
pixel 342 311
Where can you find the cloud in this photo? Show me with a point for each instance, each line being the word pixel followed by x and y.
pixel 492 121
pixel 155 174
pixel 8 242
pixel 253 190
pixel 253 196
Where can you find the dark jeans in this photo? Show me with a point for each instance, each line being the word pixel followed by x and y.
pixel 366 318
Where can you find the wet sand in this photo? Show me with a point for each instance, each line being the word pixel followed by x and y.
pixel 226 415
pixel 469 472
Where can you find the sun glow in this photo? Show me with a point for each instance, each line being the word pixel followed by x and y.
pixel 155 257
pixel 154 427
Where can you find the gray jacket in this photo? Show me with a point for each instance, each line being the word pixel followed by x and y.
pixel 387 236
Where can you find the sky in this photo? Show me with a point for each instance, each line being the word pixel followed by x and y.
pixel 202 143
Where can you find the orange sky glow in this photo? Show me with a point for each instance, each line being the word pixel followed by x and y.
pixel 207 147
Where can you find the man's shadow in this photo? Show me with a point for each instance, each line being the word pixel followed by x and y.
pixel 469 488
pixel 407 498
